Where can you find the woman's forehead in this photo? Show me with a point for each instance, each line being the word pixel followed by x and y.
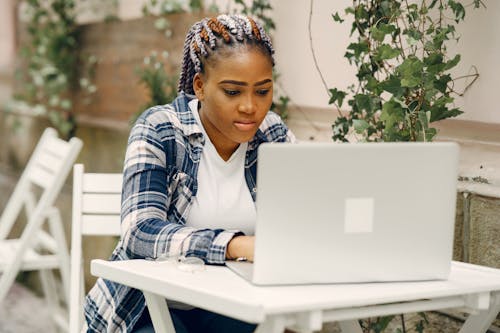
pixel 239 62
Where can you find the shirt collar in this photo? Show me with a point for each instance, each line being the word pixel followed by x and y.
pixel 190 125
pixel 188 122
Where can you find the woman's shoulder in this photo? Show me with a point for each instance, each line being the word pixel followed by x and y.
pixel 157 115
pixel 272 119
pixel 174 116
pixel 274 128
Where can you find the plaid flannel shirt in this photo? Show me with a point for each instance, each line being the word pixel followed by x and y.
pixel 159 181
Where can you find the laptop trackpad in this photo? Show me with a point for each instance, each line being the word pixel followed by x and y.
pixel 242 268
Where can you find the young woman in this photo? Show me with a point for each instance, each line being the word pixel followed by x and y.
pixel 190 171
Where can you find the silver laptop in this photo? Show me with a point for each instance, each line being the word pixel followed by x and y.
pixel 347 213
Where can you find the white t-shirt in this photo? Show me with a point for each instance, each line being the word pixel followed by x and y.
pixel 223 200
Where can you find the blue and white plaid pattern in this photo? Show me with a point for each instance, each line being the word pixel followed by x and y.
pixel 160 180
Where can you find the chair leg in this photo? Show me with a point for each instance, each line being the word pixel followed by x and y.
pixel 7 279
pixel 56 229
pixel 50 290
pixel 158 310
pixel 480 322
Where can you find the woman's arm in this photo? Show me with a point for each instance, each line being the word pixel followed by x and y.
pixel 241 247
pixel 150 184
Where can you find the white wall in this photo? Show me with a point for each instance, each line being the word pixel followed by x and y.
pixel 6 34
pixel 479 46
pixel 294 58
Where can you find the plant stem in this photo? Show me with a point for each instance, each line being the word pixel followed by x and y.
pixel 312 48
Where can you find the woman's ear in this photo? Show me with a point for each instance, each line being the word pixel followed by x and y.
pixel 198 86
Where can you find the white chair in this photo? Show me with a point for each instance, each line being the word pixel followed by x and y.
pixel 96 212
pixel 37 249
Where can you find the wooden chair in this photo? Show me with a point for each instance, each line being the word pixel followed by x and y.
pixel 96 211
pixel 37 249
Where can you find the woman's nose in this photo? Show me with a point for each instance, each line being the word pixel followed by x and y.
pixel 247 105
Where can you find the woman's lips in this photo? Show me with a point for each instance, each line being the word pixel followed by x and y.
pixel 244 125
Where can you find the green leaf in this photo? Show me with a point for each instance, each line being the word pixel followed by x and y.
pixel 411 72
pixel 426 135
pixel 196 4
pixel 441 83
pixel 392 85
pixel 336 96
pixel 341 129
pixel 379 32
pixel 364 71
pixel 383 322
pixel 410 82
pixel 424 119
pixel 358 48
pixel 440 111
pixel 373 85
pixel 392 113
pixel 413 36
pixel 360 125
pixel 363 102
pixel 458 9
pixel 434 63
pixel 360 13
pixel 336 17
pixel 452 63
pixel 385 52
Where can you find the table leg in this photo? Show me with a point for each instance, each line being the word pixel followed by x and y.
pixel 350 326
pixel 158 310
pixel 273 324
pixel 480 322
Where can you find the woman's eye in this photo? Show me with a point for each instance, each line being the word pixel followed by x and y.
pixel 262 92
pixel 231 92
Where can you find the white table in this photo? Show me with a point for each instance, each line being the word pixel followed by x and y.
pixel 471 288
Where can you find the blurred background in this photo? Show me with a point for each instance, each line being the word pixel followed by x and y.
pixel 89 67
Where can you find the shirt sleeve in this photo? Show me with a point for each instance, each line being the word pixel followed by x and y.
pixel 149 183
pixel 290 137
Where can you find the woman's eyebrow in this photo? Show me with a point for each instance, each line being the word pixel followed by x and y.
pixel 241 83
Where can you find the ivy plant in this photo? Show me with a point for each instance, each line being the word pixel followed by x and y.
pixel 53 62
pixel 403 69
pixel 162 87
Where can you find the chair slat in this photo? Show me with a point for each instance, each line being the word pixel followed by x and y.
pixel 48 161
pixel 96 212
pixel 101 203
pixel 48 168
pixel 100 225
pixel 102 183
pixel 32 260
pixel 40 176
pixel 57 146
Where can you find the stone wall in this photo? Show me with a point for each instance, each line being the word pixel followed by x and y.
pixel 120 48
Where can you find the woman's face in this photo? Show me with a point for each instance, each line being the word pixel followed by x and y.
pixel 235 93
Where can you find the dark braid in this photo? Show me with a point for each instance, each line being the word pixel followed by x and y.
pixel 208 34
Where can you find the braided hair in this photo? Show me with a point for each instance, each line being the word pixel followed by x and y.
pixel 217 33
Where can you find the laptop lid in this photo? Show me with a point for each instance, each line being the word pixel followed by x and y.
pixel 355 212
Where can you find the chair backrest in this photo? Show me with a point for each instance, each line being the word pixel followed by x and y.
pixel 47 168
pixel 96 212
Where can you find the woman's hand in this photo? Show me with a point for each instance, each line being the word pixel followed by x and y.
pixel 241 247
